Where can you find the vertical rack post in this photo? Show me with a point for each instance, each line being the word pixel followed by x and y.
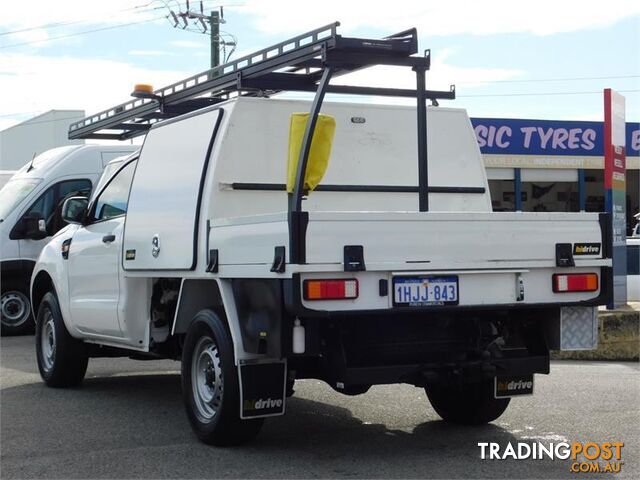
pixel 423 161
pixel 297 218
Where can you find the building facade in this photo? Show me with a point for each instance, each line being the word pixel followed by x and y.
pixel 548 165
pixel 20 143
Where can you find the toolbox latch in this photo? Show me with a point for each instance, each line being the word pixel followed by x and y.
pixel 354 258
pixel 564 255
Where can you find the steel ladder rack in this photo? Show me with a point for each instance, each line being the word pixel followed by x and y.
pixel 304 63
pixel 293 65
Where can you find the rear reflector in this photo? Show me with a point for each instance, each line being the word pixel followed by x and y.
pixel 336 289
pixel 575 282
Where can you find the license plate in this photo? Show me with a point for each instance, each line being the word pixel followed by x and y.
pixel 513 386
pixel 423 291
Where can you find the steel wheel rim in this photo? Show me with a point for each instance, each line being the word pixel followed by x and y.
pixel 15 308
pixel 206 379
pixel 48 341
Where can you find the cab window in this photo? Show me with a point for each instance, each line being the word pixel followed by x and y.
pixel 112 202
pixel 49 204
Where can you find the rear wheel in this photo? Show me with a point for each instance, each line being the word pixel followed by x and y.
pixel 210 384
pixel 62 359
pixel 15 316
pixel 471 404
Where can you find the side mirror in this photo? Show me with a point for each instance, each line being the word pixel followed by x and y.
pixel 34 226
pixel 74 209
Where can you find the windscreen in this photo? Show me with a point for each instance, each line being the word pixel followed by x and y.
pixel 14 192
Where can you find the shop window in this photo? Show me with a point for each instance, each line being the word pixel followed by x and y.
pixel 594 190
pixel 550 197
pixel 502 195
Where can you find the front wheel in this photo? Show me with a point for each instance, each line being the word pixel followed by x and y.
pixel 471 404
pixel 62 359
pixel 210 384
pixel 16 318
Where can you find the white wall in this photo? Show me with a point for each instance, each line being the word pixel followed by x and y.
pixel 19 143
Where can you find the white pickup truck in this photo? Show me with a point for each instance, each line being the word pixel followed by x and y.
pixel 392 270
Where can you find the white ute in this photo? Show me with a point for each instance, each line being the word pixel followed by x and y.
pixel 393 270
pixel 30 205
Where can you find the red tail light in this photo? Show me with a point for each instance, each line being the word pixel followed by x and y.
pixel 575 282
pixel 336 289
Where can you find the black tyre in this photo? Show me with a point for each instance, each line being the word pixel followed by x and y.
pixel 210 384
pixel 472 404
pixel 15 313
pixel 62 359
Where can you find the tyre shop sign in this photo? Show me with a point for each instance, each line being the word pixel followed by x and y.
pixel 504 136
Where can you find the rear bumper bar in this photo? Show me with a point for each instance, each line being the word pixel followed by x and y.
pixel 422 374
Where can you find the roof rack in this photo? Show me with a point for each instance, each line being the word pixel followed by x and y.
pixel 303 63
pixel 293 65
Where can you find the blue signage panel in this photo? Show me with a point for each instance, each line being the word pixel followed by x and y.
pixel 505 136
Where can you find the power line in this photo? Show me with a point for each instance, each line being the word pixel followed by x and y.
pixel 85 32
pixel 541 94
pixel 41 27
pixel 137 9
pixel 205 23
pixel 565 79
pixel 142 8
pixel 27 122
pixel 304 95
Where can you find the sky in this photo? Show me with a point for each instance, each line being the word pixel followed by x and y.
pixel 544 59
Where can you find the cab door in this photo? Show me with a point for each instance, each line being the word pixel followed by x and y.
pixel 94 260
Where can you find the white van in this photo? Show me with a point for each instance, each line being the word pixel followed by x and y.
pixel 30 214
pixel 5 176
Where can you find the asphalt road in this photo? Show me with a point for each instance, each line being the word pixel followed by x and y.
pixel 127 421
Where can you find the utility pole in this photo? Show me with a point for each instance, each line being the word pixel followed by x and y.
pixel 204 22
pixel 214 23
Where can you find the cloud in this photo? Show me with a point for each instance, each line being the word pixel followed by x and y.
pixel 57 18
pixel 35 35
pixel 149 53
pixel 542 17
pixel 59 14
pixel 440 77
pixel 188 44
pixel 40 83
pixel 7 123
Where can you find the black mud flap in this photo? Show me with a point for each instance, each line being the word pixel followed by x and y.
pixel 262 389
pixel 513 386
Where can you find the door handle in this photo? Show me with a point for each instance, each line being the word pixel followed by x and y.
pixel 108 238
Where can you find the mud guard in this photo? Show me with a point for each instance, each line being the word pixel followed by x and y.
pixel 262 389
